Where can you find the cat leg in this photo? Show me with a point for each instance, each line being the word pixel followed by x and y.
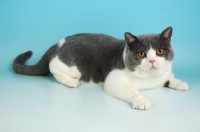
pixel 177 84
pixel 65 74
pixel 118 85
pixel 66 79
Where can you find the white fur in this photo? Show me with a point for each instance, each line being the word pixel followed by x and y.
pixel 145 70
pixel 61 42
pixel 177 84
pixel 64 74
pixel 124 84
pixel 141 103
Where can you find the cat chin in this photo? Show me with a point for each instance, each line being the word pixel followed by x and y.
pixel 152 72
pixel 143 75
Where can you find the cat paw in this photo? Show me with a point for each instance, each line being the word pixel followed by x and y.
pixel 73 83
pixel 182 86
pixel 141 103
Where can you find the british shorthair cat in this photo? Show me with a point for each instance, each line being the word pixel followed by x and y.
pixel 124 67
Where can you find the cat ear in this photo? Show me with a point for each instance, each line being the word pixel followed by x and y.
pixel 166 34
pixel 130 39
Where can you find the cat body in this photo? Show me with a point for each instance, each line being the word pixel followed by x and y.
pixel 123 66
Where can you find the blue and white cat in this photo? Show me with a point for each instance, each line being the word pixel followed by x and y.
pixel 123 66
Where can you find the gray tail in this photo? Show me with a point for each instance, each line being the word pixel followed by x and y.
pixel 39 69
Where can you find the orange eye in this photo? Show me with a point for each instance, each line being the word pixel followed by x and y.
pixel 160 52
pixel 141 54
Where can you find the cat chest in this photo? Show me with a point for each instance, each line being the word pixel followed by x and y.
pixel 149 83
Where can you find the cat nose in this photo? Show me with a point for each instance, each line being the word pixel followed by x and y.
pixel 152 61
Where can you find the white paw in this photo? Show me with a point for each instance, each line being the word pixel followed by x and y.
pixel 73 83
pixel 182 86
pixel 141 103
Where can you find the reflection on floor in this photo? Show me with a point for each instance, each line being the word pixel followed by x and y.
pixel 40 104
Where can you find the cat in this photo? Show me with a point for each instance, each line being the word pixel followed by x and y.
pixel 124 67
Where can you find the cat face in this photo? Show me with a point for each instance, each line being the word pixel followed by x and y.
pixel 149 55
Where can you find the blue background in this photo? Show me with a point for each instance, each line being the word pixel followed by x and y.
pixel 37 24
pixel 41 102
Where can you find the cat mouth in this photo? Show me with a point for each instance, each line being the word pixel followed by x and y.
pixel 150 68
pixel 153 67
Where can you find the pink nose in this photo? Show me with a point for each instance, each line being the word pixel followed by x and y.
pixel 152 61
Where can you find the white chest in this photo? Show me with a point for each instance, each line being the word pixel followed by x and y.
pixel 151 82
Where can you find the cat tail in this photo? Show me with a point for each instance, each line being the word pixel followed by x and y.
pixel 39 69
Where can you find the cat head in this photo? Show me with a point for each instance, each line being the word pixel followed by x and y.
pixel 149 55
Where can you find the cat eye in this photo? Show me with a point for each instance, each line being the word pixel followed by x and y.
pixel 141 54
pixel 160 52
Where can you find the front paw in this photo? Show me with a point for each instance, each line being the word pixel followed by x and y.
pixel 141 103
pixel 182 86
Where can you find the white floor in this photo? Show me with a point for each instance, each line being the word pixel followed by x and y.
pixel 40 104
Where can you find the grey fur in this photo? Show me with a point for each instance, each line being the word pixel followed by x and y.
pixel 95 55
pixel 166 84
pixel 41 68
